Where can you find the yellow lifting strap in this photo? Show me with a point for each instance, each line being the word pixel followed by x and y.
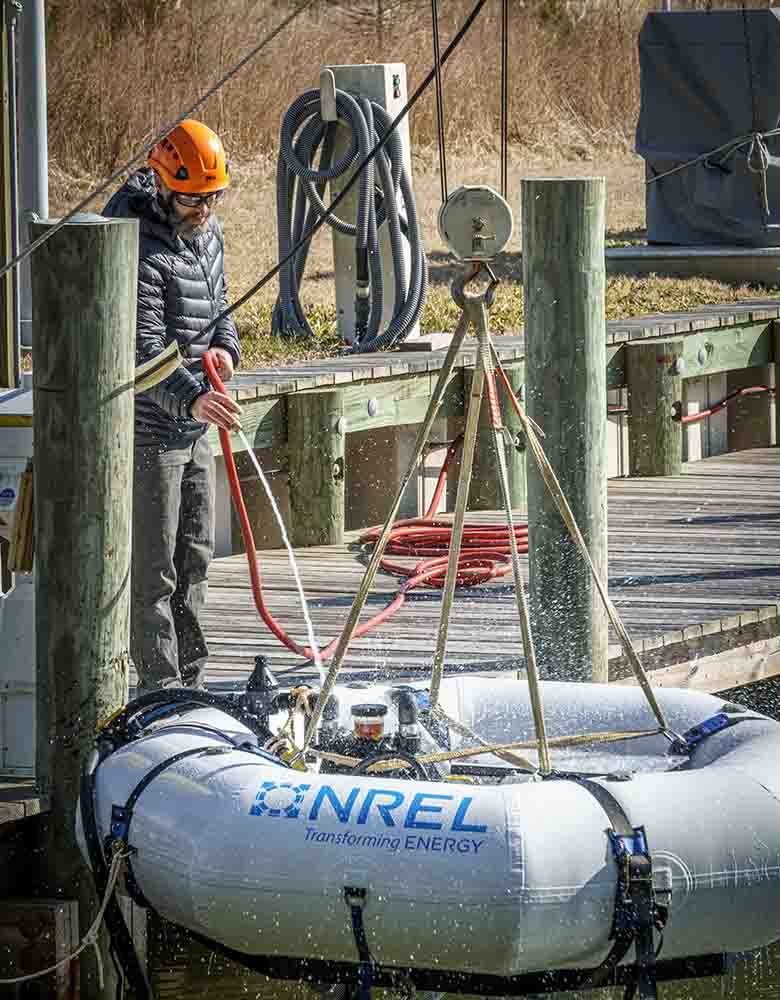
pixel 21 552
pixel 152 372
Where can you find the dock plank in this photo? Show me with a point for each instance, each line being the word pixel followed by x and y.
pixel 690 556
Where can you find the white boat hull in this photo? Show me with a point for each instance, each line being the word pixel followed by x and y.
pixel 500 879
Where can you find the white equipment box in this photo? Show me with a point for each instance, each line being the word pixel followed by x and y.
pixel 17 604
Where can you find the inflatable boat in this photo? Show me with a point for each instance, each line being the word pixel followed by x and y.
pixel 637 857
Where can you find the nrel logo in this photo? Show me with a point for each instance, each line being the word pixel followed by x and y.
pixel 431 822
pixel 279 800
pixel 421 812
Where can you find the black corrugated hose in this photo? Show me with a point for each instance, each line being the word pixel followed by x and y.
pixel 383 186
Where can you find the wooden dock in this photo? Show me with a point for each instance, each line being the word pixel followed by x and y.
pixel 694 569
pixel 19 800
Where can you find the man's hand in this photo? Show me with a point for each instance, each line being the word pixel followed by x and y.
pixel 224 361
pixel 217 408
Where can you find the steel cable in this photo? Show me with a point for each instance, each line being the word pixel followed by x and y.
pixel 440 134
pixel 504 97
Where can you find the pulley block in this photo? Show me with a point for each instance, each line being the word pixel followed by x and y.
pixel 476 223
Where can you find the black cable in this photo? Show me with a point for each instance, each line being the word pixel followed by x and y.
pixel 439 101
pixel 413 763
pixel 299 189
pixel 348 186
pixel 504 96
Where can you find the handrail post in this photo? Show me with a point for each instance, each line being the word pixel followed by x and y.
pixel 654 373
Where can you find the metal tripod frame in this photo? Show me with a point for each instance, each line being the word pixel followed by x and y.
pixel 474 311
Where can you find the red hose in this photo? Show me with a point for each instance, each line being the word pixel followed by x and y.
pixel 485 549
pixel 753 390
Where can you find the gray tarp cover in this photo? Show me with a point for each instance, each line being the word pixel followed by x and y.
pixel 708 77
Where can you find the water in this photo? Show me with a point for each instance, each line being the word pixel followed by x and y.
pixel 197 973
pixel 290 555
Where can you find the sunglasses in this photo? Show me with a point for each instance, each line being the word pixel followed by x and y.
pixel 194 200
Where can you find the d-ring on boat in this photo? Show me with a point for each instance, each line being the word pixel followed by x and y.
pixel 637 857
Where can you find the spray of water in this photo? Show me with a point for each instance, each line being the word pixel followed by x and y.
pixel 290 554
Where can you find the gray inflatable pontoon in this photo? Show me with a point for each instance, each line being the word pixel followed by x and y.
pixel 486 875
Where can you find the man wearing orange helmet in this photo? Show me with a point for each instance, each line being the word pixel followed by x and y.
pixel 181 289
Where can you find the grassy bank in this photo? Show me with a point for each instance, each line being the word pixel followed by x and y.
pixel 625 297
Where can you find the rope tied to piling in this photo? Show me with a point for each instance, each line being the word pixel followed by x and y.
pixel 91 939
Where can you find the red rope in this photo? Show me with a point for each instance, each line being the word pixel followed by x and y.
pixel 754 390
pixel 485 549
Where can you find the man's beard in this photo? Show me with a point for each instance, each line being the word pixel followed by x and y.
pixel 187 228
pixel 184 227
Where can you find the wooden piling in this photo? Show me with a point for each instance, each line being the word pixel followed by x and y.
pixel 316 430
pixel 485 486
pixel 654 373
pixel 565 333
pixel 84 309
pixel 776 365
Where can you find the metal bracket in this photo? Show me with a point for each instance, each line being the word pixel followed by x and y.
pixel 458 287
pixel 328 111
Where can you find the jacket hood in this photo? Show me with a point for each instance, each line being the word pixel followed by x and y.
pixel 137 199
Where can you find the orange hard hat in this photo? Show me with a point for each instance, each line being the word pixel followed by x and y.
pixel 191 159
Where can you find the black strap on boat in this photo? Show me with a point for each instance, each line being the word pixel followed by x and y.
pixel 122 816
pixel 355 899
pixel 122 946
pixel 636 913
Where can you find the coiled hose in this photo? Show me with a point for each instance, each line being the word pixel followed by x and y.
pixel 299 203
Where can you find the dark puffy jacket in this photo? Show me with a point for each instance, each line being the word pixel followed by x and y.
pixel 181 288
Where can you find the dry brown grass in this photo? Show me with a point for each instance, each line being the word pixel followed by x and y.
pixel 118 69
pixel 248 211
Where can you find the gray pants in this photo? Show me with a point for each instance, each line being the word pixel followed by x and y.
pixel 173 544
